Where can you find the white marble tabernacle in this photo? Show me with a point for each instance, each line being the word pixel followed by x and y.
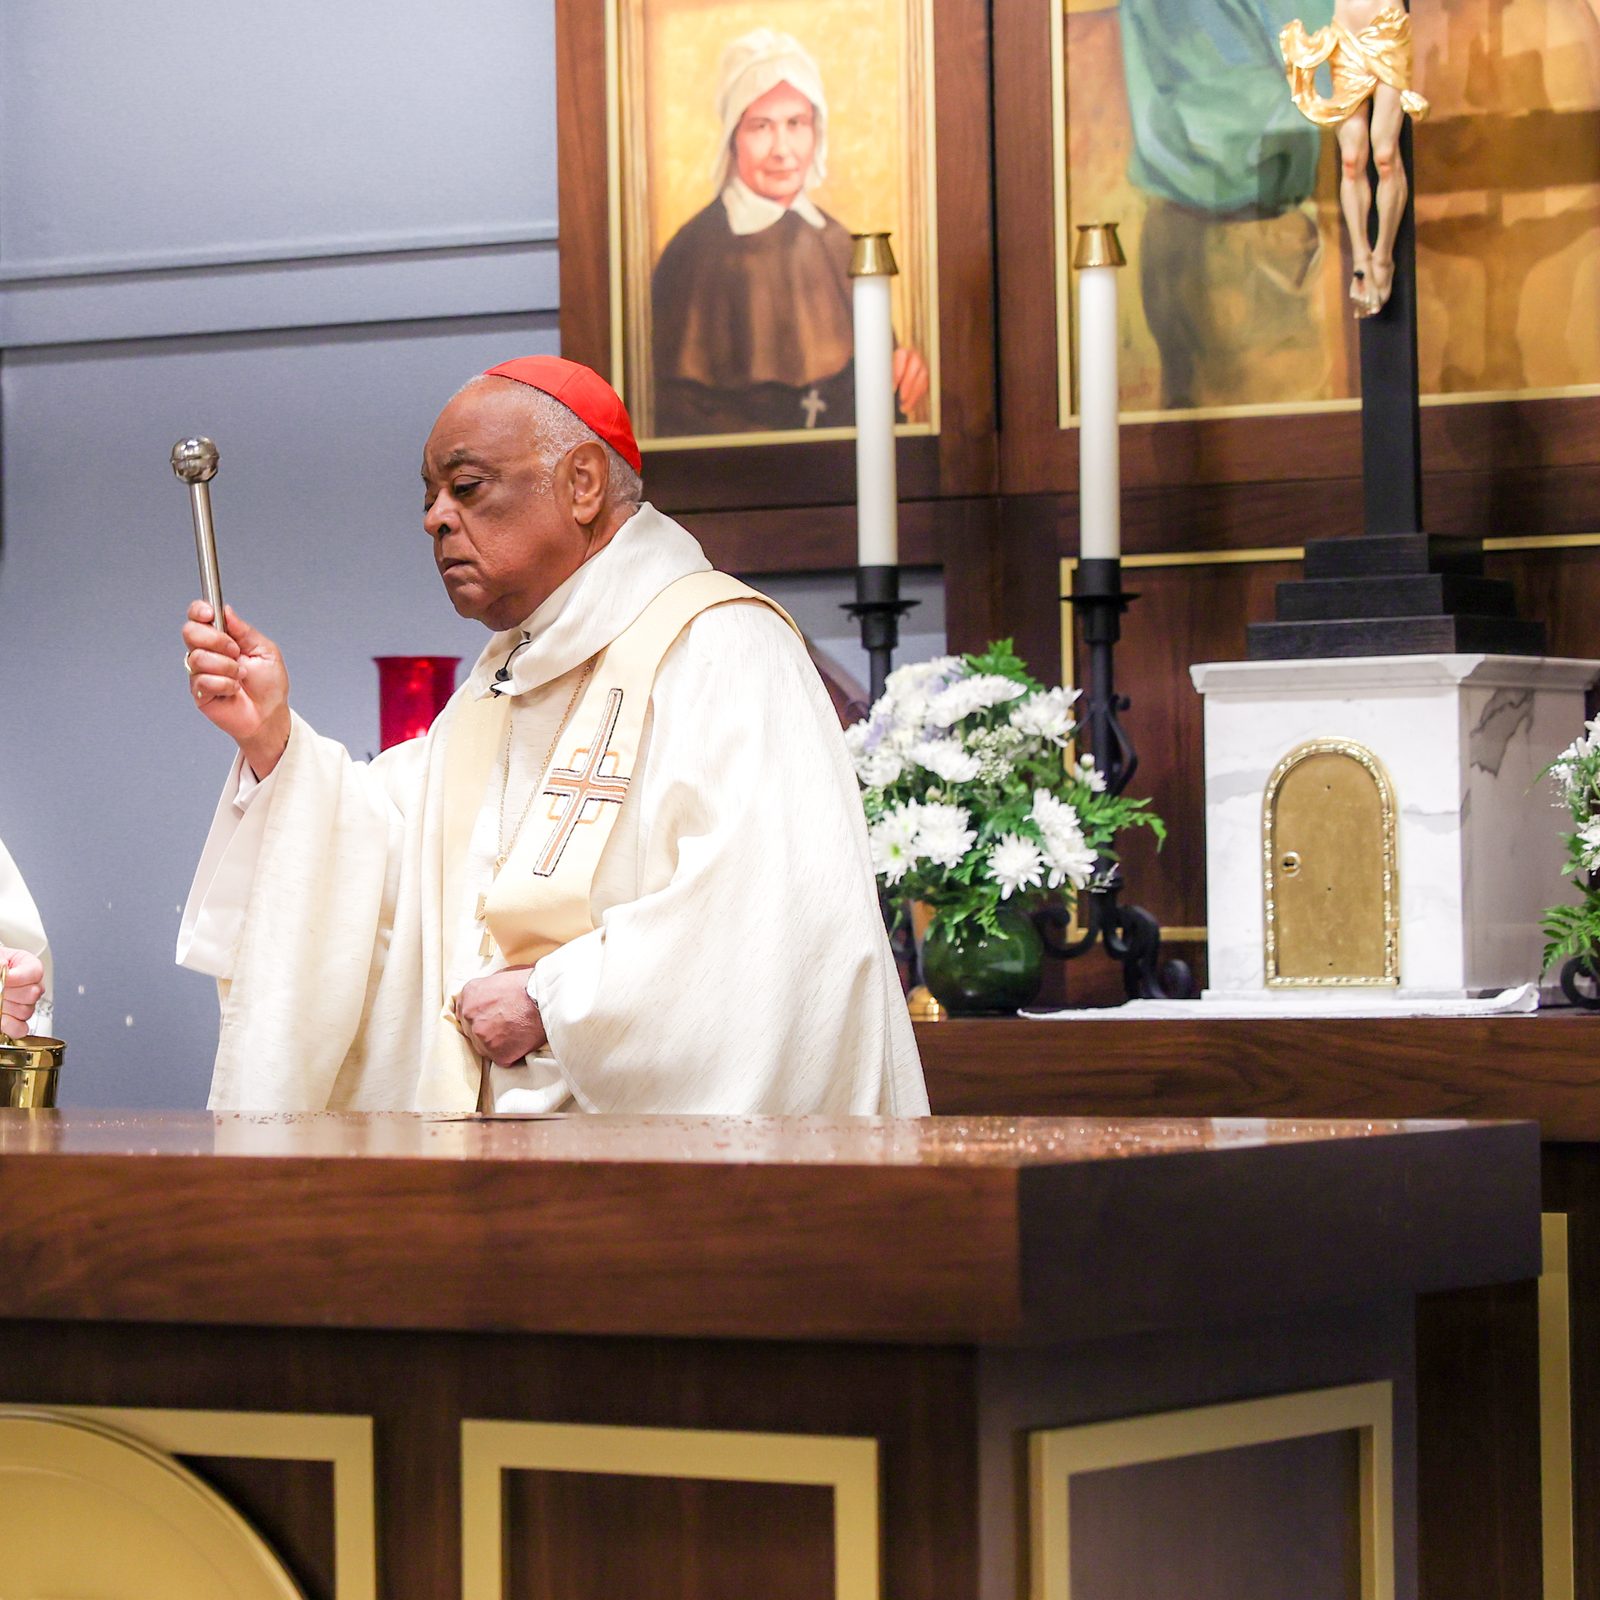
pixel 1463 738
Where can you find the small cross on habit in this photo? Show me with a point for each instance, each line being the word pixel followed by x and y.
pixel 813 405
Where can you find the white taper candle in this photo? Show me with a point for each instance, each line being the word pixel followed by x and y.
pixel 1099 466
pixel 877 537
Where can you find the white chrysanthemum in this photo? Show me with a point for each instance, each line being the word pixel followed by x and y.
pixel 966 695
pixel 1066 854
pixel 1015 863
pixel 1047 715
pixel 1070 861
pixel 1055 816
pixel 1584 745
pixel 877 769
pixel 893 838
pixel 943 833
pixel 946 758
pixel 916 676
pixel 906 692
pixel 1589 838
pixel 1090 774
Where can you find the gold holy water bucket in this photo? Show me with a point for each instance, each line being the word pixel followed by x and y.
pixel 30 1068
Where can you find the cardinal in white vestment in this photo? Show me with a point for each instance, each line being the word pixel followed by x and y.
pixel 627 869
pixel 23 953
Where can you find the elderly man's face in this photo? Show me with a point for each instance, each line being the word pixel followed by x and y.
pixel 503 539
pixel 774 143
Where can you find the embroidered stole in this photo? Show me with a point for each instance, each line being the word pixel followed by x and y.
pixel 540 899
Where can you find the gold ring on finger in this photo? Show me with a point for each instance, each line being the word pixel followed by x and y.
pixel 188 665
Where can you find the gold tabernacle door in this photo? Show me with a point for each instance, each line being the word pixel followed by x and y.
pixel 1331 879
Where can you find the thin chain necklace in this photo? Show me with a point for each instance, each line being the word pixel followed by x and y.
pixel 508 845
pixel 486 947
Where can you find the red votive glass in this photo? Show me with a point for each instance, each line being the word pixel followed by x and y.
pixel 412 691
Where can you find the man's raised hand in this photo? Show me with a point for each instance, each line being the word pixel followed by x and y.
pixel 239 682
pixel 24 990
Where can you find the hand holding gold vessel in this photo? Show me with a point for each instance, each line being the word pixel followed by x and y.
pixel 30 1064
pixel 21 989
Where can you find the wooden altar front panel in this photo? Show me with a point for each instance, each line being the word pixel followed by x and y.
pixel 492 1304
pixel 1479 1353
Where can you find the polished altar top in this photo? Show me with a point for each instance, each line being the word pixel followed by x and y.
pixel 720 1141
pixel 961 1228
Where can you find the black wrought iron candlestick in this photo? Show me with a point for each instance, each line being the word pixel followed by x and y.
pixel 1099 601
pixel 1129 934
pixel 878 608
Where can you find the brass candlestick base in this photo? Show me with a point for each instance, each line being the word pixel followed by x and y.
pixel 920 1002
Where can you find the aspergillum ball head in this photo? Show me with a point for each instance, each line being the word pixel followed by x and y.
pixel 195 460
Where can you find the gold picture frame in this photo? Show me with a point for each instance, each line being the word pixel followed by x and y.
pixel 1479 225
pixel 662 128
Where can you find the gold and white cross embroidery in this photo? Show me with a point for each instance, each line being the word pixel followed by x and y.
pixel 577 792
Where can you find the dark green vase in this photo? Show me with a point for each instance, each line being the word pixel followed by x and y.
pixel 980 972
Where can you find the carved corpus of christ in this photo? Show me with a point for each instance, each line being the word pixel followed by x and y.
pixel 1367 48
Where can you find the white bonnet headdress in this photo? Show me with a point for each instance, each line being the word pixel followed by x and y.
pixel 752 65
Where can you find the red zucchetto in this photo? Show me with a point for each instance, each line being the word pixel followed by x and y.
pixel 584 393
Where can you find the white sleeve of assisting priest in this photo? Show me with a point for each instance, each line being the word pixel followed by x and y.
pixel 214 915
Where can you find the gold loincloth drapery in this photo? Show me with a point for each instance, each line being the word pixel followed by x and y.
pixel 1359 62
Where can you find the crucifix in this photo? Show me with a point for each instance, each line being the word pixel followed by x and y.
pixel 1368 53
pixel 813 405
pixel 1381 593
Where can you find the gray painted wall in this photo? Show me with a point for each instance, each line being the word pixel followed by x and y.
pixel 297 227
pixel 163 134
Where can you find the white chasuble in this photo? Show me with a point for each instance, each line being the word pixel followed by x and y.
pixel 690 882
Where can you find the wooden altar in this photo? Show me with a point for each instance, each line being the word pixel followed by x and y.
pixel 1489 1363
pixel 673 1357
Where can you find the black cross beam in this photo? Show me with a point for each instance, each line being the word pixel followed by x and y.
pixel 1391 427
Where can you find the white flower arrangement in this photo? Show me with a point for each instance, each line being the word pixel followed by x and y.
pixel 1573 931
pixel 969 796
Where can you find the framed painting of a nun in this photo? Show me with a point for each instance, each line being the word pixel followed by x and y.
pixel 748 140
